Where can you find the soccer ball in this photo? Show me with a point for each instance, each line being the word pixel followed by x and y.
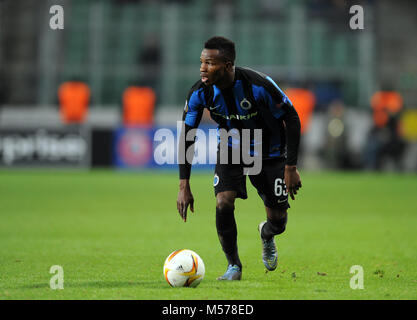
pixel 184 268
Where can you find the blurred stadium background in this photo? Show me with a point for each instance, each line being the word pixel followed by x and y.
pixel 93 93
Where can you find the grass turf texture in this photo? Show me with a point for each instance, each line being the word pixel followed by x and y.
pixel 111 232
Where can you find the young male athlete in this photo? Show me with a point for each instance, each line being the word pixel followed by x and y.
pixel 237 99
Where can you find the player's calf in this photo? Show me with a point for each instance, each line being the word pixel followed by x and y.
pixel 274 225
pixel 227 230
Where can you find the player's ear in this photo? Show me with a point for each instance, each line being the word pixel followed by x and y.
pixel 229 66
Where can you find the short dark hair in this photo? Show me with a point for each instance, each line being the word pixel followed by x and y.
pixel 225 46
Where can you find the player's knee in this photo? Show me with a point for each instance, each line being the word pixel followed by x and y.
pixel 276 213
pixel 225 219
pixel 225 203
pixel 280 214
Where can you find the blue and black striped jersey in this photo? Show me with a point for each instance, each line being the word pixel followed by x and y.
pixel 253 102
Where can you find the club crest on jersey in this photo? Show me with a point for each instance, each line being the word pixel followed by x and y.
pixel 245 104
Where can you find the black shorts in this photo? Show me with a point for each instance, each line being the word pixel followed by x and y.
pixel 269 183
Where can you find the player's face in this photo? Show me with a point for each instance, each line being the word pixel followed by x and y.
pixel 212 68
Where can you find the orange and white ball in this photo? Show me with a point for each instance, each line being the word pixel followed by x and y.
pixel 184 268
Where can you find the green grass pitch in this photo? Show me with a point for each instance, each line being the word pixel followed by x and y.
pixel 111 232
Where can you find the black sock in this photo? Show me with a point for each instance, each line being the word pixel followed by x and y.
pixel 273 227
pixel 227 232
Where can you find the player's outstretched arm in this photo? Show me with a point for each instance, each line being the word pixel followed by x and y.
pixel 185 199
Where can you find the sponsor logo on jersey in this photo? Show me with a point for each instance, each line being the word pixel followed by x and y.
pixel 237 116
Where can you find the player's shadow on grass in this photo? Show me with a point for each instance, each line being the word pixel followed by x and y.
pixel 102 284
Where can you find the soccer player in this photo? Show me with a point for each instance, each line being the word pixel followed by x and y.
pixel 237 99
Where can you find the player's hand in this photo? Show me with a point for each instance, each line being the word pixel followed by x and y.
pixel 292 180
pixel 185 199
